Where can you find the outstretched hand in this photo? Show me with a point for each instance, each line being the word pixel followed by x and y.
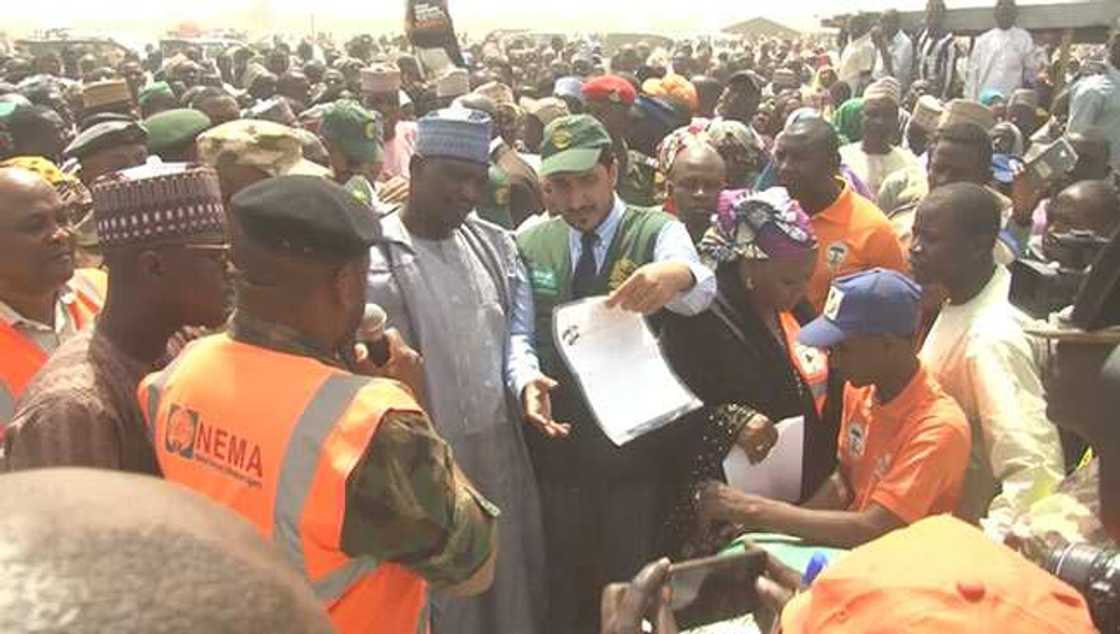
pixel 652 287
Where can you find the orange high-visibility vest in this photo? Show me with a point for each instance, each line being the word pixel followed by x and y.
pixel 812 363
pixel 275 437
pixel 21 357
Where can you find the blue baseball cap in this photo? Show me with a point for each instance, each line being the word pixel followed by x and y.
pixel 873 302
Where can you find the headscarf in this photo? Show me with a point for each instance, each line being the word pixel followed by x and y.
pixel 848 121
pixel 756 226
pixel 674 88
pixel 677 142
pixel 818 84
pixel 736 143
pixel 990 96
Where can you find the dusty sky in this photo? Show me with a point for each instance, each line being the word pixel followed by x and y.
pixel 147 17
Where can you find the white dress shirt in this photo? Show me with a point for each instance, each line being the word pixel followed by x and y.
pixel 1003 61
pixel 980 355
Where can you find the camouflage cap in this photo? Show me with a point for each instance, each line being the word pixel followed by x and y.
pixel 270 147
pixel 572 144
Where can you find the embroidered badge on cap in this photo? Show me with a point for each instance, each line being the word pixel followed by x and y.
pixel 562 138
pixel 832 304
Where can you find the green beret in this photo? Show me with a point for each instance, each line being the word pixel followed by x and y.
pixel 306 215
pixel 154 89
pixel 173 128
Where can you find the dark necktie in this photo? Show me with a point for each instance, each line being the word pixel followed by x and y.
pixel 583 280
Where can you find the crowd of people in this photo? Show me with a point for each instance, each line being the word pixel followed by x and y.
pixel 830 231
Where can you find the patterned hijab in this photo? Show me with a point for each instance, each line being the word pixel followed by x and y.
pixel 736 143
pixel 756 226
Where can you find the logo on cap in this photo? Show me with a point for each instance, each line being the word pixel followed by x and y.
pixel 832 304
pixel 562 138
pixel 615 96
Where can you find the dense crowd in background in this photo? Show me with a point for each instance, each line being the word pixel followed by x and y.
pixel 906 240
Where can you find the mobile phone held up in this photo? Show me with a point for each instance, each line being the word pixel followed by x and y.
pixel 715 589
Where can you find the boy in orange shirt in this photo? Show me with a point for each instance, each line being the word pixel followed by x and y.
pixel 853 233
pixel 904 443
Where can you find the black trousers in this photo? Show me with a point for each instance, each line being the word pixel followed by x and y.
pixel 597 532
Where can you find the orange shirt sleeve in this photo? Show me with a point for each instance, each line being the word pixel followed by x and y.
pixel 929 469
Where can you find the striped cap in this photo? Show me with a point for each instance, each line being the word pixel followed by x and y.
pixel 159 204
pixel 458 133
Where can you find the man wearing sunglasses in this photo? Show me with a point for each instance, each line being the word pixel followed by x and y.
pixel 163 231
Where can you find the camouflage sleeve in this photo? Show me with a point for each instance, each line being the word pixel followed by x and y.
pixel 408 503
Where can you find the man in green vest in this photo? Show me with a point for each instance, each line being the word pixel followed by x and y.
pixel 603 505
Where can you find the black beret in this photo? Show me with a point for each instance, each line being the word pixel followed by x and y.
pixel 306 215
pixel 105 135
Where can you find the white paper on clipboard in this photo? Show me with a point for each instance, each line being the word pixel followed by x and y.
pixel 624 377
pixel 778 476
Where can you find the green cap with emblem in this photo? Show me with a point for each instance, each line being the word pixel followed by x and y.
pixel 355 130
pixel 573 144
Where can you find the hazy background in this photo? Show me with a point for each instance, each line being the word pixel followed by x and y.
pixel 150 18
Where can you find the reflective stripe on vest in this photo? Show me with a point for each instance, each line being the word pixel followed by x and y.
pixel 7 410
pixel 20 359
pixel 307 439
pixel 21 356
pixel 811 363
pixel 297 472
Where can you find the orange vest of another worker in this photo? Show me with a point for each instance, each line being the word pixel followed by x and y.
pixel 812 363
pixel 21 357
pixel 275 436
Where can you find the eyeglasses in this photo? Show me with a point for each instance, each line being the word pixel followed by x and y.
pixel 217 252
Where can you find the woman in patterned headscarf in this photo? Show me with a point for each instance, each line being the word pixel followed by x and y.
pixel 741 357
pixel 741 148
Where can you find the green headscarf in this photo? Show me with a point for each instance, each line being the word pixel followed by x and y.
pixel 848 121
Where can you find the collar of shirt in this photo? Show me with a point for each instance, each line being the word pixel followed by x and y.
pixel 393 230
pixel 896 410
pixel 605 231
pixel 994 292
pixel 11 316
pixel 840 211
pixel 254 331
